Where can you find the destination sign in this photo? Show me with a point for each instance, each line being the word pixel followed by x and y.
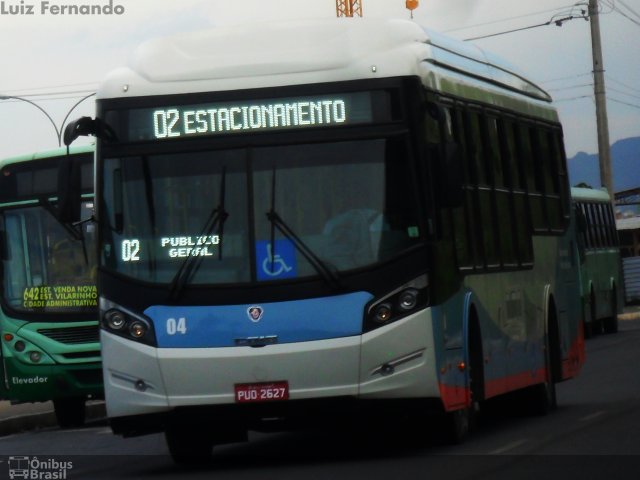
pixel 211 119
pixel 60 296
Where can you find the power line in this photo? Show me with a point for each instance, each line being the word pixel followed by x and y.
pixel 613 7
pixel 629 8
pixel 9 100
pixel 623 84
pixel 624 103
pixel 557 22
pixel 570 87
pixel 623 93
pixel 48 94
pixel 571 77
pixel 505 19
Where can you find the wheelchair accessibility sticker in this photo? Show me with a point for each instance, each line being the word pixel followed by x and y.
pixel 276 263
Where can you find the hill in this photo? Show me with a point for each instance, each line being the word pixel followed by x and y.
pixel 625 163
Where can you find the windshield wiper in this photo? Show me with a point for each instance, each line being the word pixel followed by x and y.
pixel 330 276
pixel 190 265
pixel 73 229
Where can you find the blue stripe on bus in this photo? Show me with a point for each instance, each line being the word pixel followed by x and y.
pixel 230 325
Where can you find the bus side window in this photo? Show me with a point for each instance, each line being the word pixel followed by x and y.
pixel 612 227
pixel 550 173
pixel 463 226
pixel 593 225
pixel 479 193
pixel 503 215
pixel 522 221
pixel 602 230
pixel 533 181
pixel 541 184
pixel 559 165
pixel 502 161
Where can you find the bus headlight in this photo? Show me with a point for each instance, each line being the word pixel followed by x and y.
pixel 408 299
pixel 115 319
pixel 35 357
pixel 124 323
pixel 137 329
pixel 382 313
pixel 398 304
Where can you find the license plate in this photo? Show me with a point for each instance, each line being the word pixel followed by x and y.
pixel 262 392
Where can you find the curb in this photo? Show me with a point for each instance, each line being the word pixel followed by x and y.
pixel 32 421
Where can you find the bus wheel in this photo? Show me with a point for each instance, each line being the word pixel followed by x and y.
pixel 541 398
pixel 457 425
pixel 611 324
pixel 593 325
pixel 188 445
pixel 70 412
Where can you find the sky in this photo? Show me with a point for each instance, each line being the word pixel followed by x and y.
pixel 56 60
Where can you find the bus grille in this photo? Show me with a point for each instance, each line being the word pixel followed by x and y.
pixel 72 335
pixel 78 355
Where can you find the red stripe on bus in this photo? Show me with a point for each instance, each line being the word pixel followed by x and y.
pixel 572 365
pixel 454 397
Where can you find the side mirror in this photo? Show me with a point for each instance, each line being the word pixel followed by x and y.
pixel 85 126
pixel 69 191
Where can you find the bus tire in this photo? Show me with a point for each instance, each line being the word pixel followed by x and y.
pixel 541 398
pixel 610 324
pixel 587 321
pixel 457 425
pixel 187 445
pixel 70 412
pixel 595 324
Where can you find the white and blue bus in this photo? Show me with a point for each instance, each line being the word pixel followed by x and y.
pixel 305 219
pixel 601 265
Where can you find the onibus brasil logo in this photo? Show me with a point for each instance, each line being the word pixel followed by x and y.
pixel 32 468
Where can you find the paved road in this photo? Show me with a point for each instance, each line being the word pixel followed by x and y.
pixel 593 435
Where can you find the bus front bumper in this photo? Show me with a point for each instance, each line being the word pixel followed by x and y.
pixel 393 362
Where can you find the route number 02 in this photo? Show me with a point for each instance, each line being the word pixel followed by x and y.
pixel 176 326
pixel 131 250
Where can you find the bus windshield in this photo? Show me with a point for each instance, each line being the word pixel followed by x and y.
pixel 259 214
pixel 46 268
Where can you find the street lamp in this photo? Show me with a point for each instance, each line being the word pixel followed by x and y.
pixel 58 130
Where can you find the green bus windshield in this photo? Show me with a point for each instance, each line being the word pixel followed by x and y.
pixel 46 267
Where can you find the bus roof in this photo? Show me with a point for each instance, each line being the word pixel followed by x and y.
pixel 581 194
pixel 57 152
pixel 315 51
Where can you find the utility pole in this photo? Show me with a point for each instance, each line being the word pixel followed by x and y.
pixel 604 149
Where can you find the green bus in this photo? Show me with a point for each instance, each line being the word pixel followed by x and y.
pixel 48 315
pixel 600 266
